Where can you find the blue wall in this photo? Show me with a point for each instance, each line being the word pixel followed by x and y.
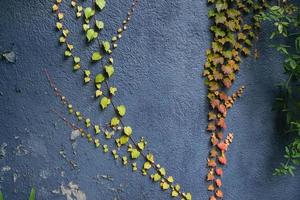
pixel 158 67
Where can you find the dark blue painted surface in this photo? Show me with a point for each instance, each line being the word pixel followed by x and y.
pixel 158 66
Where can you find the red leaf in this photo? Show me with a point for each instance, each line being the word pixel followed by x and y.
pixel 222 146
pixel 219 171
pixel 222 160
pixel 222 109
pixel 215 103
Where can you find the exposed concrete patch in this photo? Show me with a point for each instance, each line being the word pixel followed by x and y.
pixel 71 192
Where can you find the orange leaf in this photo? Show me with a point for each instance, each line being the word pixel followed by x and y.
pixel 213 153
pixel 219 171
pixel 223 96
pixel 211 163
pixel 211 187
pixel 222 123
pixel 212 198
pixel 210 177
pixel 219 193
pixel 226 69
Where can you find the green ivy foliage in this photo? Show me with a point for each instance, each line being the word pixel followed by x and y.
pixel 115 135
pixel 31 195
pixel 286 20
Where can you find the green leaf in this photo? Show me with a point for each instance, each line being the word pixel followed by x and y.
pixel 1 196
pixel 121 110
pixel 113 90
pixel 135 154
pixel 106 46
pixel 124 139
pixel 127 130
pixel 96 56
pixel 85 27
pixel 76 59
pixel 99 24
pixel 88 12
pixel 104 102
pixel 32 194
pixel 109 69
pixel 91 34
pixel 100 4
pixel 114 121
pixel 99 78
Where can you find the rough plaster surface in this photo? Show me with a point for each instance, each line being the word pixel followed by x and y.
pixel 158 66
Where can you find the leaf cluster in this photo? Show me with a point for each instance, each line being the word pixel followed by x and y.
pixel 286 21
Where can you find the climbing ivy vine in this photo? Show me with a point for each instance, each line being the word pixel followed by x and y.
pixel 286 20
pixel 124 147
pixel 234 29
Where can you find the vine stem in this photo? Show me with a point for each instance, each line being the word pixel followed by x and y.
pixel 73 126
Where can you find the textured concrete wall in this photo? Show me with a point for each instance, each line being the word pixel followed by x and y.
pixel 158 66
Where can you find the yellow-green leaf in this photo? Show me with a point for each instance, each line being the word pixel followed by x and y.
pixel 104 102
pixel 109 69
pixel 113 90
pixel 99 24
pixel 147 165
pixel 96 56
pixel 124 139
pixel 100 4
pixel 127 130
pixel 121 110
pixel 106 46
pixel 99 78
pixel 88 12
pixel 135 154
pixel 114 121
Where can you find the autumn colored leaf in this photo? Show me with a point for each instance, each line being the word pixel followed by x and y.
pixel 211 163
pixel 214 140
pixel 222 160
pixel 227 82
pixel 213 153
pixel 211 187
pixel 218 182
pixel 215 103
pixel 211 126
pixel 219 171
pixel 227 69
pixel 212 116
pixel 222 109
pixel 222 123
pixel 219 193
pixel 223 96
pixel 222 146
pixel 210 176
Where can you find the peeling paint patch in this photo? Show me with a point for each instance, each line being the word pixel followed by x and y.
pixel 71 192
pixel 21 150
pixel 6 168
pixel 74 135
pixel 3 150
